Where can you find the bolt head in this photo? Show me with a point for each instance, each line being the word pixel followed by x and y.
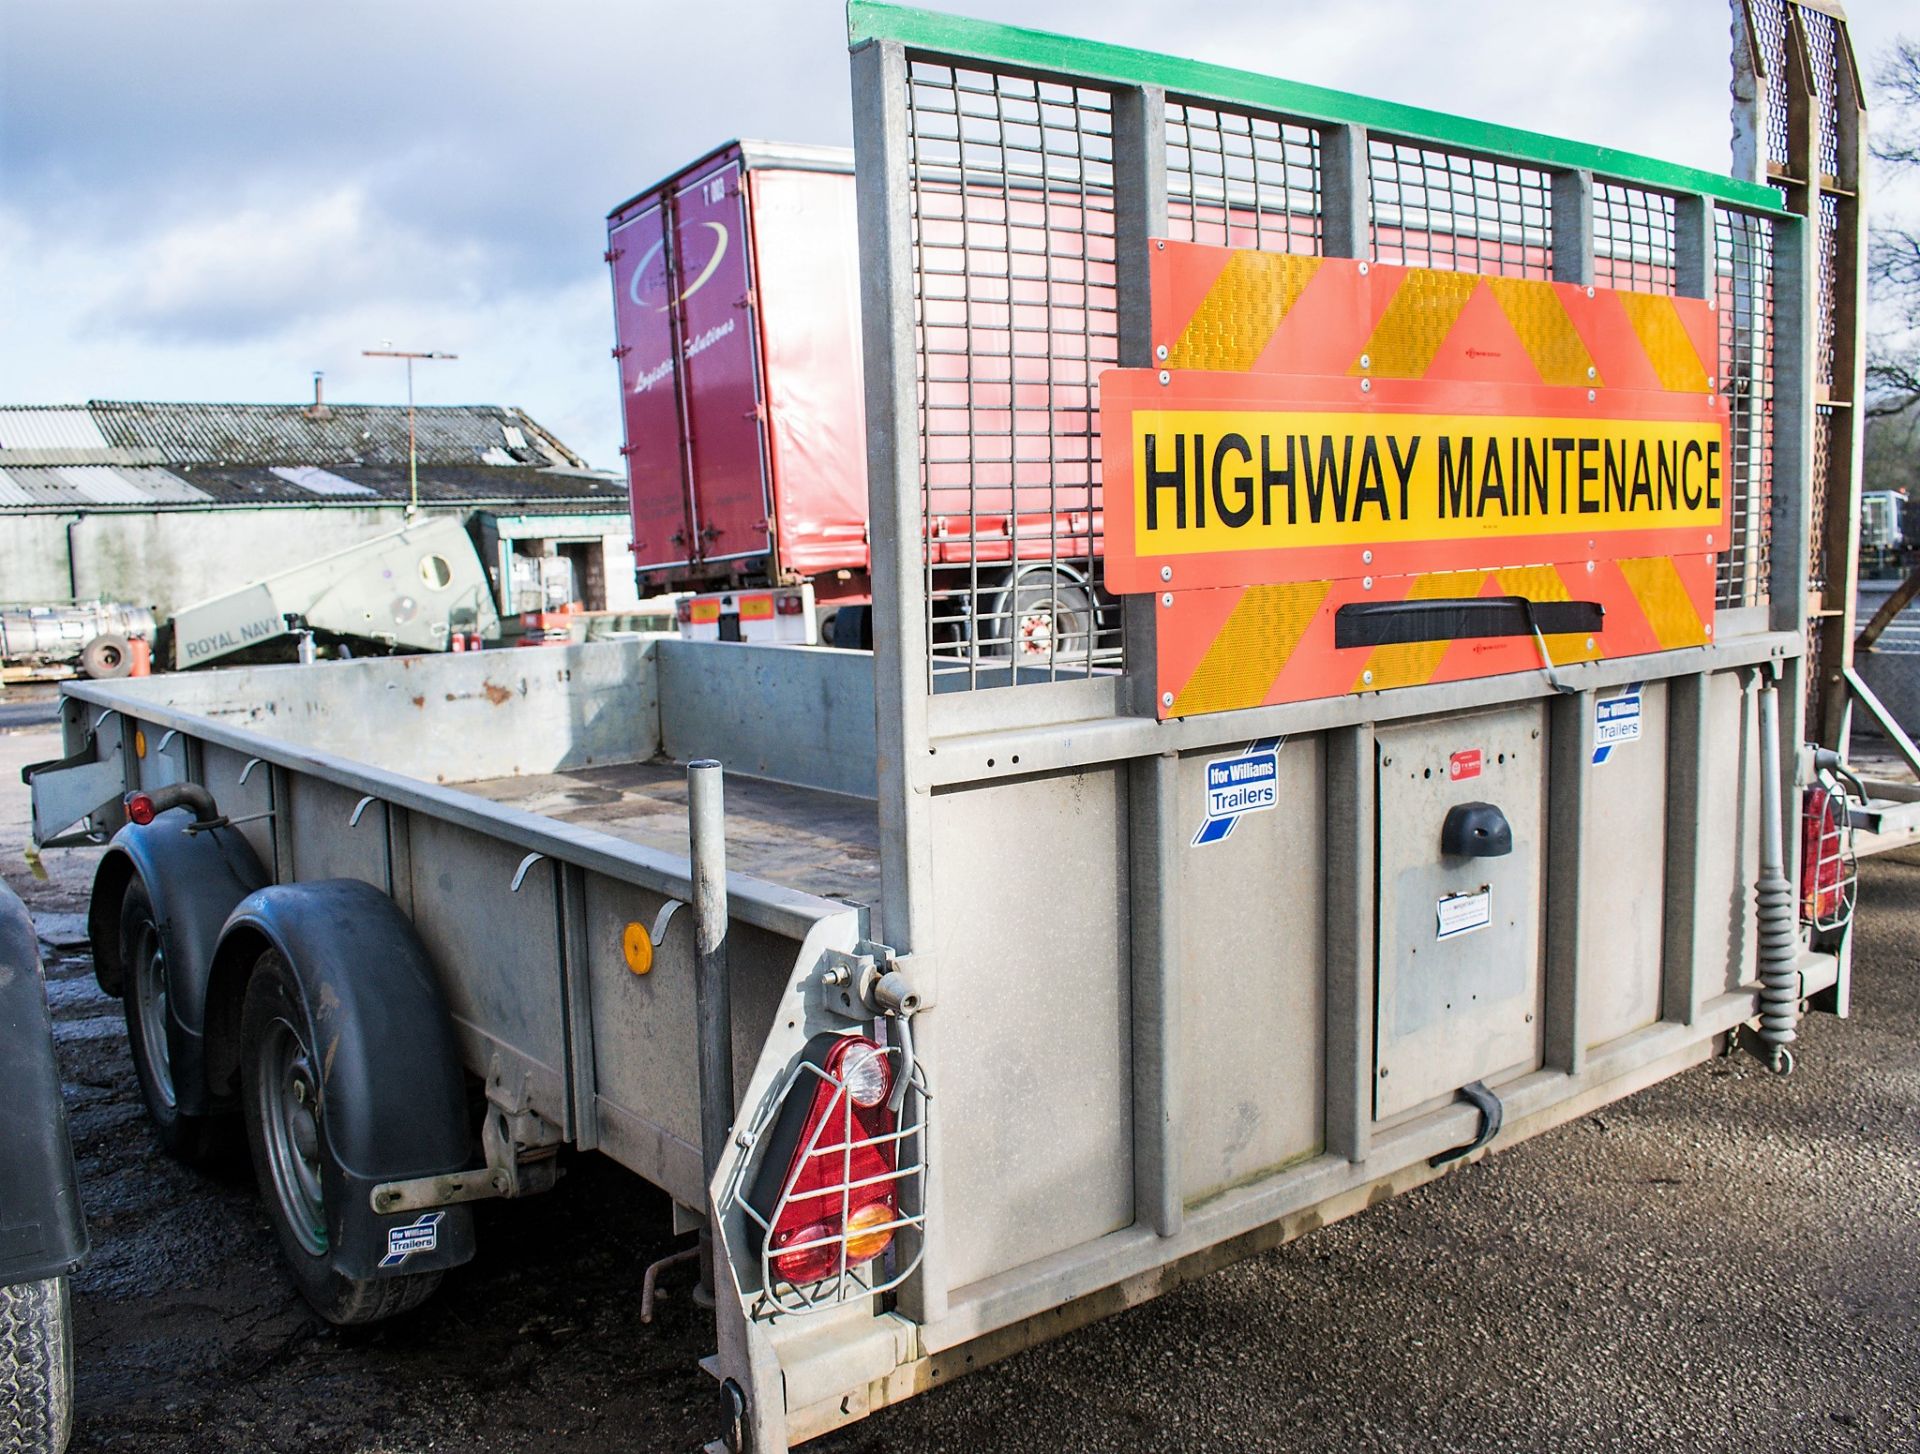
pixel 1166 572
pixel 1589 643
pixel 1366 557
pixel 1160 352
pixel 1167 599
pixel 1367 677
pixel 1160 243
pixel 1589 290
pixel 1589 567
pixel 1363 270
pixel 1709 628
pixel 1165 377
pixel 1366 361
pixel 1591 396
pixel 1366 583
pixel 1166 699
pixel 1366 386
pixel 1592 372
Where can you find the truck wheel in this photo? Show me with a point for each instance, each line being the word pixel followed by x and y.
pixel 1042 615
pixel 280 1081
pixel 106 657
pixel 36 1366
pixel 196 1140
pixel 852 628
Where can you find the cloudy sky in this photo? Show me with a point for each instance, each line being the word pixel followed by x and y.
pixel 210 199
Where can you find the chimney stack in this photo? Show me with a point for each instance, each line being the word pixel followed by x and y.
pixel 318 409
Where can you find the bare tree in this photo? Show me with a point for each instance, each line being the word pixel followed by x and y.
pixel 1893 256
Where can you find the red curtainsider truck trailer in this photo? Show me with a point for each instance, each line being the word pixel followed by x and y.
pixel 737 317
pixel 737 313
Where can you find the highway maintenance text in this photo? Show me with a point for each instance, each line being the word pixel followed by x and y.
pixel 1208 480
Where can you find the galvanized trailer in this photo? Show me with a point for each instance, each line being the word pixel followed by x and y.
pixel 1045 988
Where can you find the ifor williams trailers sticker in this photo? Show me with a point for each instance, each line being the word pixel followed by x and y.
pixel 1616 719
pixel 1247 782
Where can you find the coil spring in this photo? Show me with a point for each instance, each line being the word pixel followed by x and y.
pixel 1779 980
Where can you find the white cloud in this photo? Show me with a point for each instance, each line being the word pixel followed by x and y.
pixel 258 269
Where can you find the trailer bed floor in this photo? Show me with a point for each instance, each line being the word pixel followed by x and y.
pixel 802 838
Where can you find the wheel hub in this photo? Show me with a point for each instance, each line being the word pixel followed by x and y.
pixel 289 1106
pixel 150 987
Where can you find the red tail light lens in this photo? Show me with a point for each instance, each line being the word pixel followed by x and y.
pixel 828 1184
pixel 1821 859
pixel 789 605
pixel 140 808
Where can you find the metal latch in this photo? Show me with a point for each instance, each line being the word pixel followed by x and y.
pixel 873 983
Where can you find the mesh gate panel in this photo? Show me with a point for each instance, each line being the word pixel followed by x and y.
pixel 1011 184
pixel 1770 28
pixel 1442 209
pixel 1743 293
pixel 1013 232
pixel 1239 179
pixel 1632 238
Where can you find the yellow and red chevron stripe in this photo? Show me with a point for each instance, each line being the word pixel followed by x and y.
pixel 1254 646
pixel 1236 310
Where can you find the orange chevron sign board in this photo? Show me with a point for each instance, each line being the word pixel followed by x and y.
pixel 1257 645
pixel 1345 477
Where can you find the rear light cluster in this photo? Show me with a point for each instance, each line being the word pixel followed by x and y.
pixel 1826 859
pixel 789 603
pixel 826 1198
pixel 140 808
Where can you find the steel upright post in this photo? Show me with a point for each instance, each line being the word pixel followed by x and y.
pixel 713 1000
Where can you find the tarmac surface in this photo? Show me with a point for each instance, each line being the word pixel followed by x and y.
pixel 1725 1260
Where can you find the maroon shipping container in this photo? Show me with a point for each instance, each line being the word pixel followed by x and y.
pixel 749 459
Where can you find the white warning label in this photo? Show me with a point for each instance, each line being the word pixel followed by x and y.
pixel 1462 913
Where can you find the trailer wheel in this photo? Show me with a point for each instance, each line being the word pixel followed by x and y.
pixel 36 1366
pixel 146 996
pixel 107 657
pixel 280 1083
pixel 1042 615
pixel 851 628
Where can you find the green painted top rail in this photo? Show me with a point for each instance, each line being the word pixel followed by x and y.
pixel 963 39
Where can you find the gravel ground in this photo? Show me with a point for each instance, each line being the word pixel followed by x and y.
pixel 1724 1260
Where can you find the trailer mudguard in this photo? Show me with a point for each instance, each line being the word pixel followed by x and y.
pixel 42 1232
pixel 193 881
pixel 392 1098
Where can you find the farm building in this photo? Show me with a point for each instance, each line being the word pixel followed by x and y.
pixel 164 505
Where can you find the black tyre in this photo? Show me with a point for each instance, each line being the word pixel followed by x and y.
pixel 852 628
pixel 1043 615
pixel 106 657
pixel 280 1099
pixel 36 1367
pixel 146 996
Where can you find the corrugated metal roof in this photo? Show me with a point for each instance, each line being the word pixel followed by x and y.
pixel 339 434
pixel 130 455
pixel 318 481
pixel 101 484
pixel 86 487
pixel 49 427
